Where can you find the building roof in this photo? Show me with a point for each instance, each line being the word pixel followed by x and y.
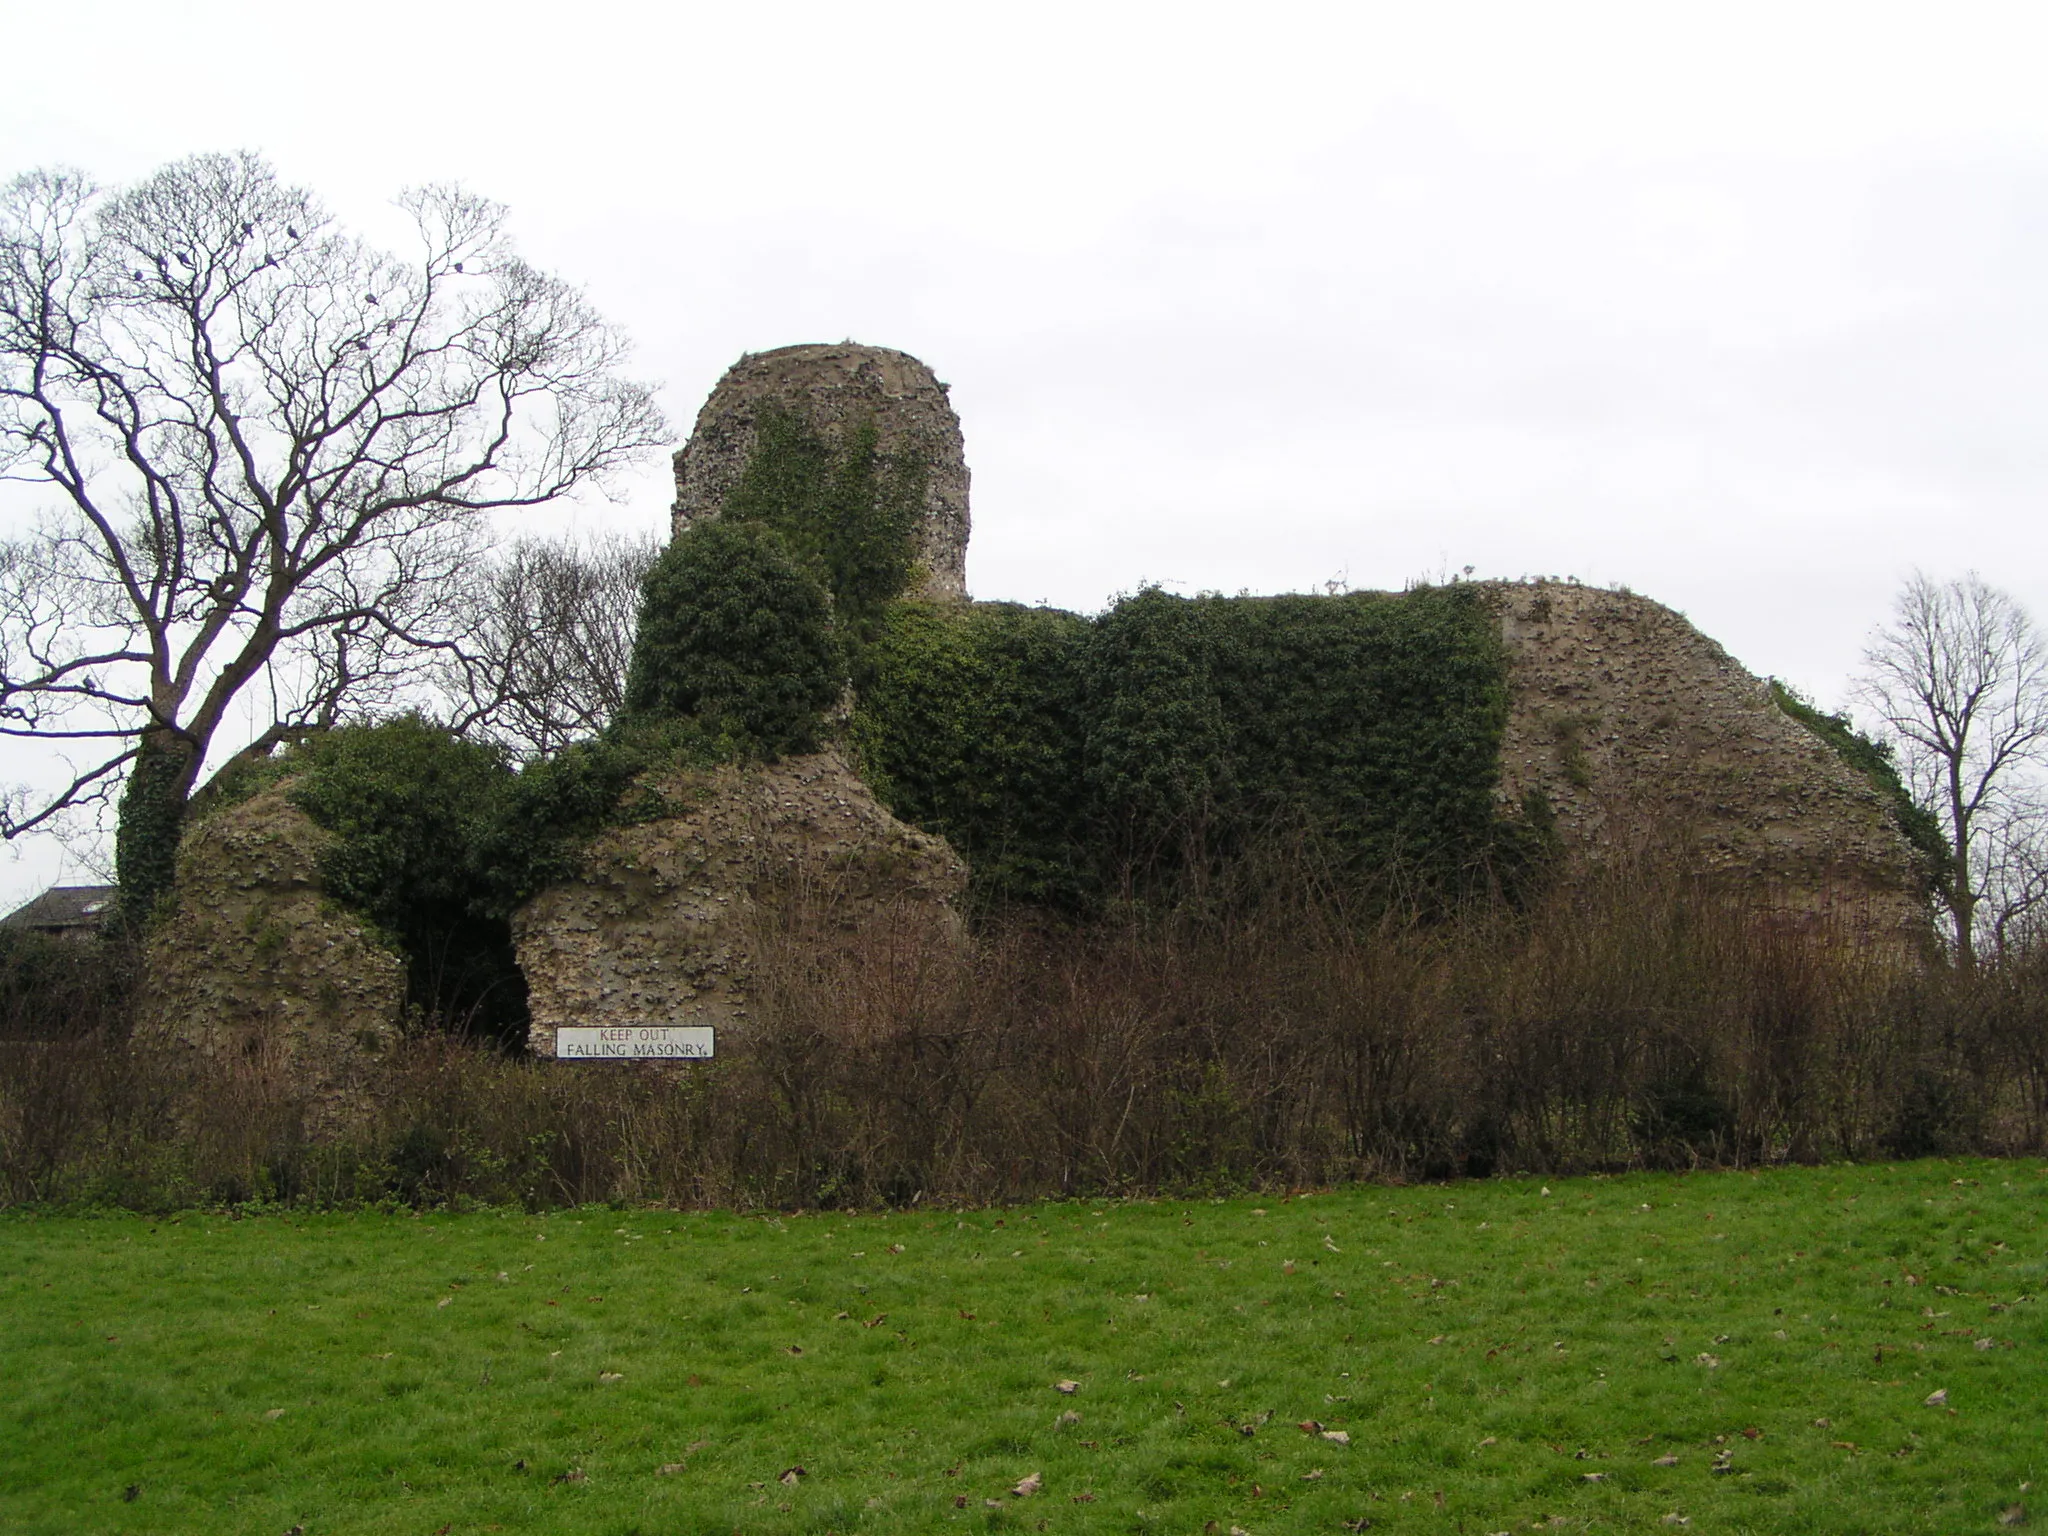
pixel 64 908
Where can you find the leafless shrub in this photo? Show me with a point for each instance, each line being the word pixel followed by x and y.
pixel 1289 1036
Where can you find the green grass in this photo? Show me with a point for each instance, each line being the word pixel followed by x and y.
pixel 1487 1347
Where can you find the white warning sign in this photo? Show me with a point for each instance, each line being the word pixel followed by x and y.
pixel 637 1042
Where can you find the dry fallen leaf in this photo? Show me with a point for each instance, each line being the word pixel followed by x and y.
pixel 1311 1474
pixel 876 1321
pixel 2013 1514
pixel 669 1470
pixel 796 1349
pixel 1028 1486
pixel 1084 1498
pixel 1336 1437
pixel 1665 1461
pixel 444 1301
pixel 1592 1477
pixel 1068 1418
pixel 1310 1426
pixel 1068 1387
pixel 1936 1399
pixel 789 1477
pixel 273 1413
pixel 611 1376
pixel 1711 1362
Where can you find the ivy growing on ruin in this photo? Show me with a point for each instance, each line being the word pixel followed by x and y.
pixel 1150 747
pixel 849 512
pixel 736 634
pixel 753 622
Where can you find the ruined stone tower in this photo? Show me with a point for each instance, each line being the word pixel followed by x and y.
pixel 835 388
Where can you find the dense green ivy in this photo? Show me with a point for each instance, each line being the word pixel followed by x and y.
pixel 848 511
pixel 736 634
pixel 1068 758
pixel 1873 759
pixel 972 725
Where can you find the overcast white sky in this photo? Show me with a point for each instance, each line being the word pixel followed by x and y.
pixel 1741 305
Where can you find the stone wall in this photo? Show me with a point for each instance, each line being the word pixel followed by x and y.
pixel 666 920
pixel 257 976
pixel 1631 721
pixel 836 388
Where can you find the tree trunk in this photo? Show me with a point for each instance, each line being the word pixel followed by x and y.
pixel 151 819
pixel 1962 893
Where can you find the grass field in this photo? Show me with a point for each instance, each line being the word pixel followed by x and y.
pixel 1743 1352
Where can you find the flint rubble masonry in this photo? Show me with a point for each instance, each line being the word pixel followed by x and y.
pixel 1631 721
pixel 665 920
pixel 834 389
pixel 258 975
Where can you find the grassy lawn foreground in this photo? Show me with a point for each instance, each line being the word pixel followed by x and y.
pixel 1751 1353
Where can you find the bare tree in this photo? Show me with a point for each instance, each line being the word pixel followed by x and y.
pixel 550 633
pixel 1960 679
pixel 271 449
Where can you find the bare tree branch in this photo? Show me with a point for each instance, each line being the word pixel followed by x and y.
pixel 549 632
pixel 269 447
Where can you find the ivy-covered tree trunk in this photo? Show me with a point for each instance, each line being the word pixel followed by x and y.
pixel 152 817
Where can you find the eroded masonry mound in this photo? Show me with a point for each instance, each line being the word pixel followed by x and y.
pixel 268 990
pixel 754 868
pixel 1635 726
pixel 835 390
